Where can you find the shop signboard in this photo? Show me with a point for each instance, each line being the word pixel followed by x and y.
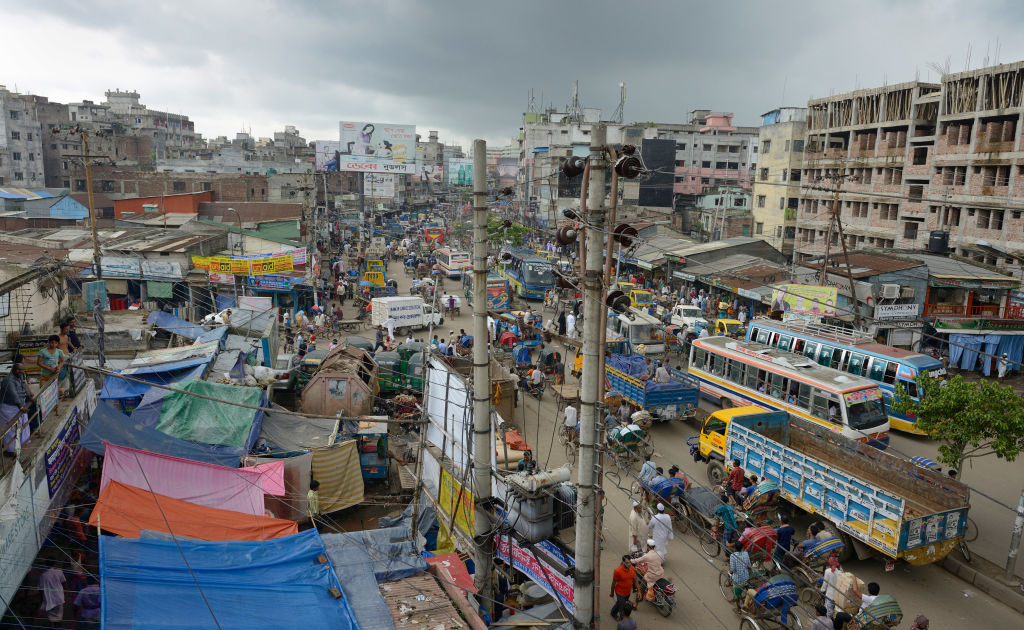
pixel 897 311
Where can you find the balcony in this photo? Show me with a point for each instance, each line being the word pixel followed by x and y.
pixel 983 311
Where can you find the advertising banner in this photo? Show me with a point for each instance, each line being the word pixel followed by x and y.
pixel 897 311
pixel 271 282
pixel 507 170
pixel 460 172
pixel 431 173
pixel 60 454
pixel 271 263
pixel 379 186
pixel 161 270
pixel 456 501
pixel 805 299
pixel 221 278
pixel 327 155
pixel 47 398
pixel 554 582
pixel 92 291
pixel 116 267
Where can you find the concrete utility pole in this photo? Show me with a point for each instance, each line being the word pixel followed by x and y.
pixel 482 439
pixel 1018 527
pixel 586 501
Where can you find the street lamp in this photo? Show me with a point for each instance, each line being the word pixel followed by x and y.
pixel 241 237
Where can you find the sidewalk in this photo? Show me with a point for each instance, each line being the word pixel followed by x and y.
pixel 987 578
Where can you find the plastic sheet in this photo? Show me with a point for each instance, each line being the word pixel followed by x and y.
pixel 272 584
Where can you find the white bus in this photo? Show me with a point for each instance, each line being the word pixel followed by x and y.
pixel 738 373
pixel 453 263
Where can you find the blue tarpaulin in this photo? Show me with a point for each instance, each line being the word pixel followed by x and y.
pixel 109 425
pixel 632 365
pixel 117 388
pixel 225 301
pixel 214 334
pixel 276 583
pixel 175 325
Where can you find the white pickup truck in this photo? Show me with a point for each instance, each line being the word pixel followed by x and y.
pixel 409 313
pixel 689 316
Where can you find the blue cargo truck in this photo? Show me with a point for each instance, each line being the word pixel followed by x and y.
pixel 675 399
pixel 879 502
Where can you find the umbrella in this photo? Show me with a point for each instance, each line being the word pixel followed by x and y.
pixel 366 283
pixel 508 339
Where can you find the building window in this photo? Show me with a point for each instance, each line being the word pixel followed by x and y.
pixel 705 164
pixel 15 135
pixel 786 150
pixel 759 228
pixel 30 136
pixel 798 146
pixel 179 186
pixel 18 176
pixel 16 156
pixel 910 230
pixel 14 115
pixel 785 174
pixel 782 203
pixel 64 164
pixel 707 147
pixel 31 157
pixel 763 175
pixel 66 183
pixel 983 218
pixel 766 146
pixel 80 185
pixel 107 186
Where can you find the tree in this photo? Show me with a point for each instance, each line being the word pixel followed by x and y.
pixel 498 234
pixel 970 418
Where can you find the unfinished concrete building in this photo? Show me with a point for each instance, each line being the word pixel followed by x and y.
pixel 926 167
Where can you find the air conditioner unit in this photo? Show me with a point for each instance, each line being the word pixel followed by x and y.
pixel 890 291
pixel 907 293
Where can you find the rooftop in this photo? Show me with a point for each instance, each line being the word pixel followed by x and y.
pixel 866 265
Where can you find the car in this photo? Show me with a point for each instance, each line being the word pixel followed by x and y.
pixel 283 367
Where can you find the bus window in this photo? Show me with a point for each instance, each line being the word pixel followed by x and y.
pixel 811 350
pixel 754 332
pixel 762 381
pixel 876 369
pixel 910 386
pixel 737 372
pixel 837 358
pixel 751 381
pixel 825 355
pixel 778 386
pixel 890 372
pixel 762 336
pixel 773 339
pixel 792 391
pixel 798 346
pixel 804 397
pixel 717 365
pixel 856 364
pixel 697 358
pixel 784 342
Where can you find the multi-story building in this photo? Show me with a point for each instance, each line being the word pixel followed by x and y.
pixel 724 213
pixel 711 151
pixel 21 145
pixel 777 181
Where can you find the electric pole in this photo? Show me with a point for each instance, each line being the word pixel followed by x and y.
pixel 482 438
pixel 83 133
pixel 583 596
pixel 836 222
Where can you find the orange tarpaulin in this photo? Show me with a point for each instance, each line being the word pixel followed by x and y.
pixel 126 510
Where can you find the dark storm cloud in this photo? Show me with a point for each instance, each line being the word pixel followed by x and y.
pixel 467 67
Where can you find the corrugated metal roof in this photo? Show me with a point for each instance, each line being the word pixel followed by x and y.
pixel 419 600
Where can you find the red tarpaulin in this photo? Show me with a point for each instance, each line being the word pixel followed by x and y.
pixel 127 510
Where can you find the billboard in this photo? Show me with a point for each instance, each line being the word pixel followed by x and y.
pixel 805 299
pixel 460 172
pixel 507 170
pixel 656 188
pixel 327 156
pixel 379 186
pixel 377 147
pixel 430 173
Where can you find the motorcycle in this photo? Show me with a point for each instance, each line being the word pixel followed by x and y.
pixel 662 595
pixel 537 391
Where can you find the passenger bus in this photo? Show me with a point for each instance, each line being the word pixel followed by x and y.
pixel 453 263
pixel 854 353
pixel 433 233
pixel 528 275
pixel 738 373
pixel 498 298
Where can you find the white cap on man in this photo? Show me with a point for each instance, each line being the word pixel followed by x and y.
pixel 661 507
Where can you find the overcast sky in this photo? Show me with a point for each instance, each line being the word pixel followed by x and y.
pixel 466 68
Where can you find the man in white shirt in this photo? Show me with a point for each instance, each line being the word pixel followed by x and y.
pixel 389 323
pixel 661 530
pixel 570 326
pixel 636 524
pixel 536 377
pixel 661 374
pixel 571 420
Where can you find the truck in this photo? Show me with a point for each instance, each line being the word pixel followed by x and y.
pixel 410 312
pixel 877 503
pixel 638 328
pixel 665 401
pixel 689 316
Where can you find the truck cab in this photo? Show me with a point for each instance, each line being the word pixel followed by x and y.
pixel 728 328
pixel 641 298
pixel 713 434
pixel 638 328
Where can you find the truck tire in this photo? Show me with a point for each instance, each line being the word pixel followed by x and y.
pixel 440 322
pixel 716 473
pixel 846 553
pixel 402 331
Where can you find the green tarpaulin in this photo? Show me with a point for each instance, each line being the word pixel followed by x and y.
pixel 199 420
pixel 157 289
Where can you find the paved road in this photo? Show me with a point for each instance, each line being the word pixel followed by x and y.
pixel 931 590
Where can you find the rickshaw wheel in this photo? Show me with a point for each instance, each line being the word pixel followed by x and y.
pixel 748 623
pixel 708 543
pixel 725 584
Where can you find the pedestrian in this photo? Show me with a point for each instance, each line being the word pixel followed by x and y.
pixel 828 584
pixel 390 324
pixel 627 622
pixel 570 326
pixel 739 572
pixel 571 422
pixel 380 339
pixel 735 481
pixel 625 412
pixel 51 585
pixel 866 599
pixel 661 530
pixel 821 622
pixel 1004 364
pixel 88 603
pixel 559 370
pixel 51 361
pixel 841 620
pixel 783 539
pixel 636 524
pixel 313 499
pixel 623 579
pixel 920 622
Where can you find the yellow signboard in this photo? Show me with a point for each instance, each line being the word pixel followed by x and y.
pixel 805 299
pixel 201 262
pixel 245 266
pixel 452 501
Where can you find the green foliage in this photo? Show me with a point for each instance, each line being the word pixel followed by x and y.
pixel 970 418
pixel 499 235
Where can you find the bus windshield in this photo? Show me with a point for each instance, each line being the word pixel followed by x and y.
pixel 866 414
pixel 538 273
